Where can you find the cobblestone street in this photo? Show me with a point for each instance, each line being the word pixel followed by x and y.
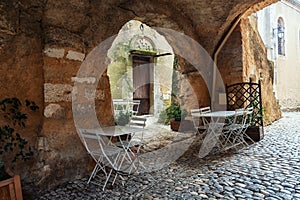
pixel 269 169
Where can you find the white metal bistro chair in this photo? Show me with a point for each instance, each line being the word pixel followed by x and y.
pixel 236 131
pixel 229 139
pixel 213 139
pixel 133 144
pixel 108 157
pixel 200 122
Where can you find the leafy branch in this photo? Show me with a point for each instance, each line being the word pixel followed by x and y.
pixel 12 118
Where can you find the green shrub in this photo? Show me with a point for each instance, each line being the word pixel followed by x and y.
pixel 174 112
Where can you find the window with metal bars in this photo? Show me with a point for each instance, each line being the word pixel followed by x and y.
pixel 280 36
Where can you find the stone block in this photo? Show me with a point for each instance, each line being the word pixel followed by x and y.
pixel 54 52
pixel 88 80
pixel 74 55
pixel 54 111
pixel 57 92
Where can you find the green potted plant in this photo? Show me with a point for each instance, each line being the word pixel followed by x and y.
pixel 12 145
pixel 174 116
pixel 123 118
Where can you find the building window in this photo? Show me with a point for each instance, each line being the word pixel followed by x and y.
pixel 280 36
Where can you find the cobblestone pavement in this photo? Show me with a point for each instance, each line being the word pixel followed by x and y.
pixel 269 169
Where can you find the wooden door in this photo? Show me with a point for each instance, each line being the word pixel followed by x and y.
pixel 142 82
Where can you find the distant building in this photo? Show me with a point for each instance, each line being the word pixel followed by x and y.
pixel 279 27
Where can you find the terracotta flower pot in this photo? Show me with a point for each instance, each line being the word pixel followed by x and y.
pixel 175 125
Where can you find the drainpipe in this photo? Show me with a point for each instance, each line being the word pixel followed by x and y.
pixel 219 48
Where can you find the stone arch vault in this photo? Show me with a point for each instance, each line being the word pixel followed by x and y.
pixel 43 43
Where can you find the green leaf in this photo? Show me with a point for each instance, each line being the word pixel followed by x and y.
pixel 27 102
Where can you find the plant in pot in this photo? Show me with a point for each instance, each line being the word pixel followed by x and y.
pixel 12 146
pixel 174 116
pixel 123 118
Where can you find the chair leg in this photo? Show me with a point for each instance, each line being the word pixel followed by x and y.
pixel 240 137
pixel 93 173
pixel 107 178
pixel 229 140
pixel 96 169
pixel 117 175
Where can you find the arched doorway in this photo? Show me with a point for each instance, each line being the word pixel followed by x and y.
pixel 141 67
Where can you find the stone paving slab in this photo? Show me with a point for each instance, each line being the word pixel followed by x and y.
pixel 269 169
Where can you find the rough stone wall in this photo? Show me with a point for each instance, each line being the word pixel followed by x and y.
pixel 257 66
pixel 63 156
pixel 229 60
pixel 193 92
pixel 21 65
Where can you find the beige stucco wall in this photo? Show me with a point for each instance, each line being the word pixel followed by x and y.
pixel 288 66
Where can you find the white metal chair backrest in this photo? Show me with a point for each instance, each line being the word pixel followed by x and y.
pixel 92 142
pixel 249 111
pixel 137 122
pixel 243 116
pixel 121 104
pixel 89 141
pixel 134 107
pixel 203 111
pixel 117 103
pixel 195 111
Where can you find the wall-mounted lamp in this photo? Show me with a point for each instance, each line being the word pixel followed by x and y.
pixel 142 29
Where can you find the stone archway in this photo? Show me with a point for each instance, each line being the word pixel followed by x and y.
pixel 134 51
